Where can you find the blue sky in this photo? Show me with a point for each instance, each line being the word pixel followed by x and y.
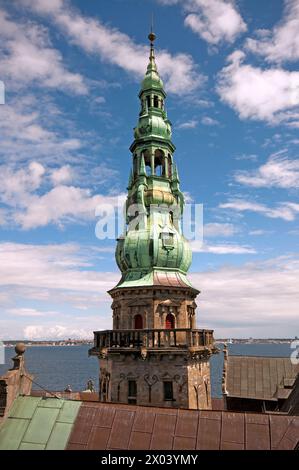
pixel 72 71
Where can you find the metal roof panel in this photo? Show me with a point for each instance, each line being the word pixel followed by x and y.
pixel 41 425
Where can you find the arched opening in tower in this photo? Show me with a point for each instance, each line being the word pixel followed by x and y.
pixel 147 161
pixel 138 322
pixel 159 163
pixel 169 166
pixel 169 323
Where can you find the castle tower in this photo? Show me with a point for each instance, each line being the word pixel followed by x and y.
pixel 154 355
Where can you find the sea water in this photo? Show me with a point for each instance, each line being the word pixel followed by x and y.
pixel 56 367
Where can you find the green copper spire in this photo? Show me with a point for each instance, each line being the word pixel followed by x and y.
pixel 153 244
pixel 152 78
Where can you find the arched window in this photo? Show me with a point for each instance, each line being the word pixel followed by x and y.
pixel 147 161
pixel 138 322
pixel 169 166
pixel 169 324
pixel 156 101
pixel 132 392
pixel 148 101
pixel 159 163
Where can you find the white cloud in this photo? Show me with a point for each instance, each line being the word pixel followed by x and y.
pixel 208 121
pixel 285 210
pixel 62 175
pixel 244 156
pixel 216 229
pixel 20 181
pixel 259 232
pixel 221 249
pixel 2 217
pixel 61 267
pixel 169 2
pixel 281 44
pixel 257 299
pixel 59 279
pixel 276 91
pixel 277 172
pixel 179 70
pixel 48 208
pixel 31 127
pixel 29 312
pixel 191 124
pixel 213 20
pixel 29 58
pixel 32 203
pixel 41 332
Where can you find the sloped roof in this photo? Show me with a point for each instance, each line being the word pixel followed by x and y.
pixel 36 423
pixel 114 426
pixel 261 378
pixel 157 277
pixel 291 405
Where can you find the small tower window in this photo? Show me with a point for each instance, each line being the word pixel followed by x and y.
pixel 156 101
pixel 138 322
pixel 148 101
pixel 132 392
pixel 168 391
pixel 169 324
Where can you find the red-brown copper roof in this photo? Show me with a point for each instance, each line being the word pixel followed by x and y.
pixel 103 426
pixel 171 279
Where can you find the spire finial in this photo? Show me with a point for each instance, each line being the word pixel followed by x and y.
pixel 152 35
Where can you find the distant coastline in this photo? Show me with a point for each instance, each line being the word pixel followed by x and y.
pixel 69 342
pixel 256 340
pixel 80 342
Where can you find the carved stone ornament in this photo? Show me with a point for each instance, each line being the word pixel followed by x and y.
pixel 103 353
pixel 143 352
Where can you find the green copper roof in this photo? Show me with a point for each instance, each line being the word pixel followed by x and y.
pixel 153 278
pixel 153 241
pixel 152 79
pixel 36 423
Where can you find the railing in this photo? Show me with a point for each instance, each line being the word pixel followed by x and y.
pixel 153 339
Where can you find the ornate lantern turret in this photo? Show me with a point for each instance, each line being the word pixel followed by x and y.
pixel 154 354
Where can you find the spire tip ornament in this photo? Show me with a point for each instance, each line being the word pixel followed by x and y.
pixel 152 37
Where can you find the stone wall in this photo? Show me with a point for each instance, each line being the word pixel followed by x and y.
pixel 153 304
pixel 190 379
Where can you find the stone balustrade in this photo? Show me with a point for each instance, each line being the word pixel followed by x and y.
pixel 152 339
